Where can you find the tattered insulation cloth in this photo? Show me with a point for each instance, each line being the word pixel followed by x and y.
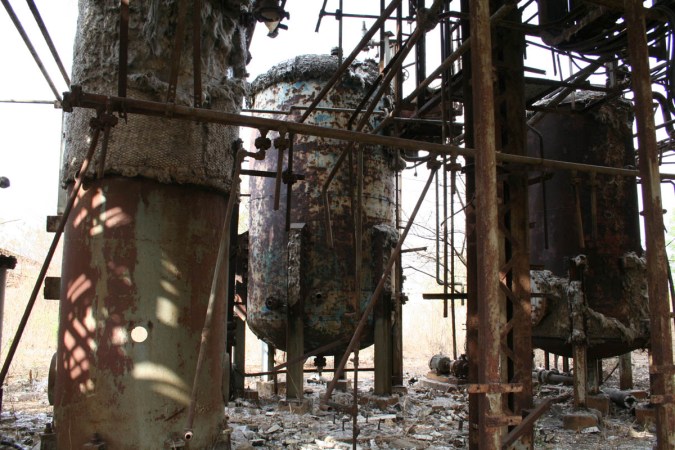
pixel 169 151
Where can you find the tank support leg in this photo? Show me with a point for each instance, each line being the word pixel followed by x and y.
pixel 239 355
pixel 383 348
pixel 295 340
pixel 625 372
pixel 383 336
pixel 594 375
pixel 580 375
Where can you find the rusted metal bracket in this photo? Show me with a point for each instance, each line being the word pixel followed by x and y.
pixel 502 421
pixel 527 423
pixel 281 144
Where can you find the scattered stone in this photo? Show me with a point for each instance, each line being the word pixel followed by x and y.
pixel 579 420
pixel 273 429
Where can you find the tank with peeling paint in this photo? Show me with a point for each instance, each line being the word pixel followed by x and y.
pixel 327 275
pixel 136 279
pixel 602 225
pixel 141 243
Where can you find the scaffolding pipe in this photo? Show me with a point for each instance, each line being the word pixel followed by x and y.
pixel 48 40
pixel 352 56
pixel 77 98
pixel 31 49
pixel 661 351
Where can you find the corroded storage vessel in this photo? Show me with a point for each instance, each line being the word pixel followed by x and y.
pixel 141 243
pixel 596 217
pixel 327 275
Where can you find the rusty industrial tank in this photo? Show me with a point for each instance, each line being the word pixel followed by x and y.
pixel 585 227
pixel 141 242
pixel 327 274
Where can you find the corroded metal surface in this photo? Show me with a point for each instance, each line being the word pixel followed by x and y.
pixel 136 259
pixel 329 273
pixel 602 225
pixel 160 148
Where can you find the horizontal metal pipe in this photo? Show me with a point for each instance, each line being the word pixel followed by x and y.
pixel 280 372
pixel 77 98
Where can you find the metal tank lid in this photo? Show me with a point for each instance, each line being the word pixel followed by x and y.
pixel 360 75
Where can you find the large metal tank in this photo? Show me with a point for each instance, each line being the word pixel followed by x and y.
pixel 327 274
pixel 141 242
pixel 589 220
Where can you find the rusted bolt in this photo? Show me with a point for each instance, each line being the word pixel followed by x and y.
pixel 272 303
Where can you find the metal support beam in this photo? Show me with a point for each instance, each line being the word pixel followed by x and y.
pixel 295 341
pixel 78 98
pixel 487 224
pixel 625 372
pixel 239 360
pixel 661 351
pixel 382 332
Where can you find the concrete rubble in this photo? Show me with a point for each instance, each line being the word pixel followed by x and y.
pixel 423 418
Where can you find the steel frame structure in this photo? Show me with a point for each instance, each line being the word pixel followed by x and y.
pixel 501 405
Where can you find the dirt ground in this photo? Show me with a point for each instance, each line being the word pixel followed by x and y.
pixel 424 418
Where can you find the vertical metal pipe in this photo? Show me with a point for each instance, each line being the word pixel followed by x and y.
pixel 340 35
pixel 397 331
pixel 358 230
pixel 625 372
pixel 352 56
pixel 487 221
pixel 657 277
pixel 222 266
